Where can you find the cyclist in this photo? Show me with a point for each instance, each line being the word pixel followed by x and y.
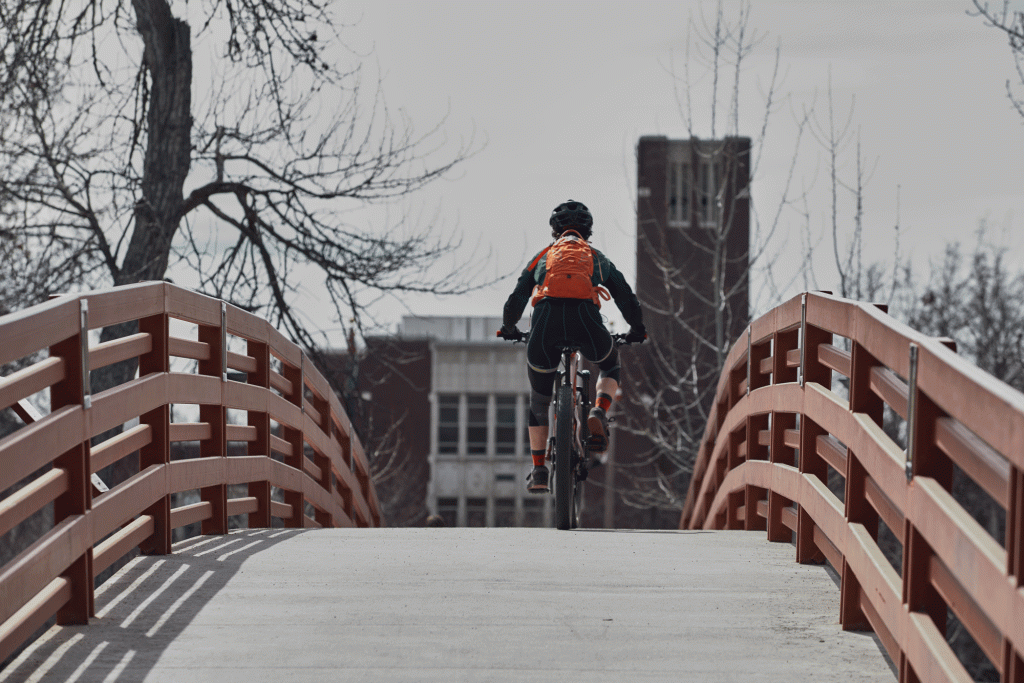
pixel 566 311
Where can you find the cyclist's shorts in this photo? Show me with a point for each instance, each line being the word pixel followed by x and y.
pixel 559 322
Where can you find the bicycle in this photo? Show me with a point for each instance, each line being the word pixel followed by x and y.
pixel 569 436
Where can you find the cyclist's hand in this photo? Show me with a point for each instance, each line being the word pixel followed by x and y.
pixel 635 335
pixel 510 332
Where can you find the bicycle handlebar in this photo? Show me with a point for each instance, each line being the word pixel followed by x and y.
pixel 520 336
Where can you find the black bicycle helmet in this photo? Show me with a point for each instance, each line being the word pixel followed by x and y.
pixel 571 215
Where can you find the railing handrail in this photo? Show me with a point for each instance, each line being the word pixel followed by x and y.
pixel 777 426
pixel 55 575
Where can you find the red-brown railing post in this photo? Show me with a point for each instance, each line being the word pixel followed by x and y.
pixel 298 444
pixel 216 416
pixel 260 490
pixel 1013 664
pixel 323 409
pixel 923 459
pixel 736 498
pixel 77 500
pixel 857 508
pixel 158 450
pixel 811 463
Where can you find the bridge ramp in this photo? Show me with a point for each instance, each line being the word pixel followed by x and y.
pixel 463 605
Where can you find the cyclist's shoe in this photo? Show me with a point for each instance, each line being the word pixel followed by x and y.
pixel 597 423
pixel 538 480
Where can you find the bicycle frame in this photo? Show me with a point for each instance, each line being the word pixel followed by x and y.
pixel 569 405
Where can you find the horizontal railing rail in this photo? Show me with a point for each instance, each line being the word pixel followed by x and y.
pixel 795 402
pixel 296 438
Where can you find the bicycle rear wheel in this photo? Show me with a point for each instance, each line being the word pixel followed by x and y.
pixel 564 476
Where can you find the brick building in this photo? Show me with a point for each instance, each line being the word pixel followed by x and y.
pixel 692 263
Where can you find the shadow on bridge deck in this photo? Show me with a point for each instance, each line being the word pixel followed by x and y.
pixel 462 604
pixel 141 610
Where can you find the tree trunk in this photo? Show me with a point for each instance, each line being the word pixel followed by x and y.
pixel 168 57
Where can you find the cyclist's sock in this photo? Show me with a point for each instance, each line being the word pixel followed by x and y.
pixel 538 456
pixel 604 401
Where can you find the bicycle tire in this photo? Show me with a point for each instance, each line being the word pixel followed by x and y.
pixel 564 477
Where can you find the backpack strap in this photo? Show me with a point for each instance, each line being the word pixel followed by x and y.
pixel 535 261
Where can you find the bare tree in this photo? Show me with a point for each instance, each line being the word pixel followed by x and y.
pixel 695 270
pixel 244 190
pixel 1009 20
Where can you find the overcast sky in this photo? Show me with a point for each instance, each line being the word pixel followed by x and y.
pixel 559 93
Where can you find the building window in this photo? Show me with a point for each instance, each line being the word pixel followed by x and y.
pixel 448 509
pixel 476 512
pixel 678 192
pixel 448 423
pixel 505 512
pixel 505 424
pixel 707 187
pixel 476 424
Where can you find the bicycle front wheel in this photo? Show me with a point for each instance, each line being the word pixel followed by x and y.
pixel 565 479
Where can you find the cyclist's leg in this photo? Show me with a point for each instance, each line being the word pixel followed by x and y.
pixel 542 365
pixel 599 348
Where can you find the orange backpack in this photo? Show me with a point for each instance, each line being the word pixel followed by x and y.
pixel 569 267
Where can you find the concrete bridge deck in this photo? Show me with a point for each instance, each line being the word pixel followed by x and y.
pixel 463 605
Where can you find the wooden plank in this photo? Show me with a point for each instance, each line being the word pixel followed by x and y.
pixel 278 382
pixel 889 642
pixel 828 549
pixel 835 358
pixel 242 363
pixel 118 544
pixel 312 413
pixel 929 654
pixel 991 409
pixel 833 452
pixel 887 385
pixel 281 446
pixel 193 307
pixel 245 397
pixel 791 438
pixel 789 518
pixel 37 444
pixel 117 405
pixel 187 348
pixel 27 381
pixel 196 473
pixel 315 381
pixel 981 628
pixel 281 510
pixel 194 389
pixel 190 431
pixel 982 463
pixel 246 325
pixel 244 469
pixel 190 514
pixel 23 503
pixel 283 348
pixel 38 328
pixel 128 499
pixel 243 506
pixel 124 303
pixel 33 615
pixel 43 561
pixel 974 559
pixel 118 350
pixel 117 447
pixel 890 514
pixel 240 433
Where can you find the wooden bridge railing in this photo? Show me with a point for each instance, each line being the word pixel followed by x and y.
pixel 296 437
pixel 779 425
